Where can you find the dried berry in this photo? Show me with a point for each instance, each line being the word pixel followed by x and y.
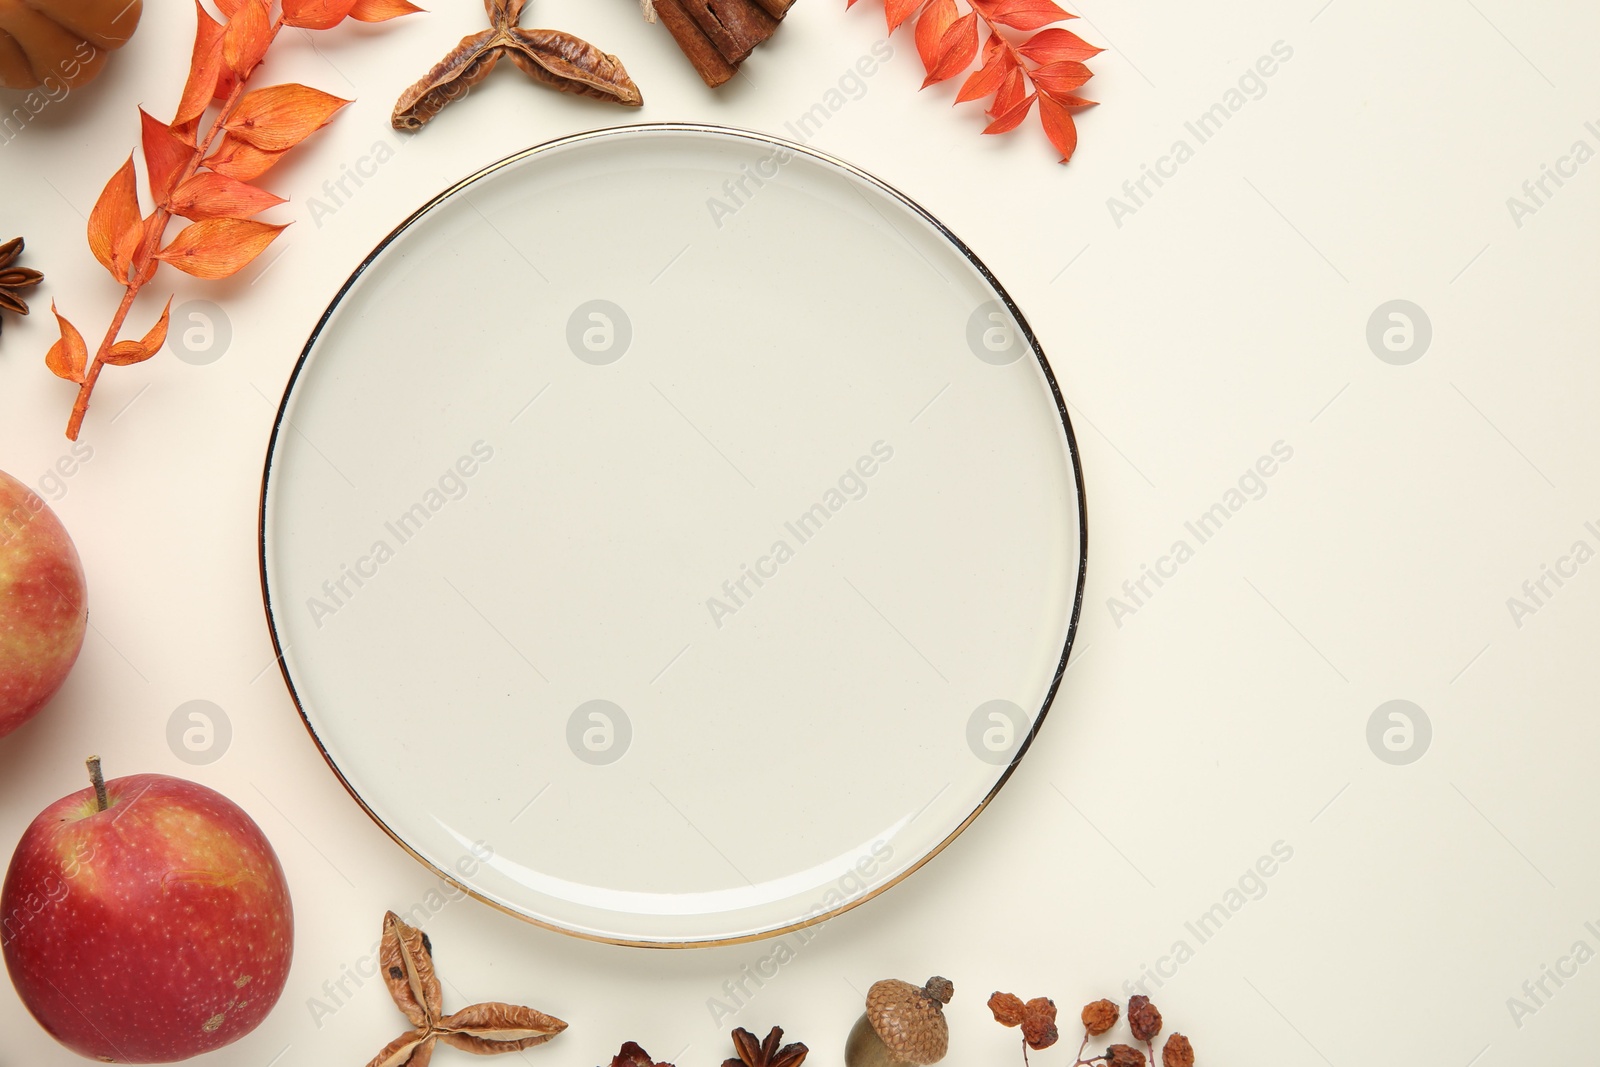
pixel 1039 1023
pixel 1124 1056
pixel 1007 1008
pixel 1143 1019
pixel 1100 1016
pixel 1178 1052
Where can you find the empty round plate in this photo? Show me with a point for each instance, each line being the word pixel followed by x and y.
pixel 672 535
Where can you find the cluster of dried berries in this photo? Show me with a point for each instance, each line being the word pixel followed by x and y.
pixel 1045 70
pixel 406 956
pixel 550 57
pixel 14 279
pixel 1037 1018
pixel 201 171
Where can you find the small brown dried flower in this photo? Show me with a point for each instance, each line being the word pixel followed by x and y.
pixel 1143 1019
pixel 1124 1056
pixel 1177 1052
pixel 1100 1016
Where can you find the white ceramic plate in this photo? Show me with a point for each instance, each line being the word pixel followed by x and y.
pixel 672 536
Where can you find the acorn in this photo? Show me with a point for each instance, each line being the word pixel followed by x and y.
pixel 903 1026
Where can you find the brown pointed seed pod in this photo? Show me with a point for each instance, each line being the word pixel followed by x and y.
pixel 903 1026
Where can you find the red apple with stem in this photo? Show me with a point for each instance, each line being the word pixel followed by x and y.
pixel 43 605
pixel 146 920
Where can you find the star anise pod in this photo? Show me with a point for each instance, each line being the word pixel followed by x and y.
pixel 406 958
pixel 633 1055
pixel 14 279
pixel 768 1053
pixel 553 58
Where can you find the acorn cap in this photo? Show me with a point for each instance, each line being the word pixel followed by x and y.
pixel 909 1019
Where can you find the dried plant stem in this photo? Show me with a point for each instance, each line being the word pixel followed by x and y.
pixel 148 247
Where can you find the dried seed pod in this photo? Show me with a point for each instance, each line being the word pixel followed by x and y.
pixel 903 1026
pixel 1177 1052
pixel 1124 1056
pixel 1143 1018
pixel 1100 1016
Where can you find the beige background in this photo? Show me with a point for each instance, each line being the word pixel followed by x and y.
pixel 1227 714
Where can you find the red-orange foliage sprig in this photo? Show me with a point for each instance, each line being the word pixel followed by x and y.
pixel 204 177
pixel 1043 70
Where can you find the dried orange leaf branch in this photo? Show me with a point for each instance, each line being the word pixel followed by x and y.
pixel 201 171
pixel 1043 70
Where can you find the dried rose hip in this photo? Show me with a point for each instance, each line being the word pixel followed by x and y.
pixel 1143 1018
pixel 1100 1016
pixel 1039 1023
pixel 1007 1008
pixel 1124 1056
pixel 1178 1052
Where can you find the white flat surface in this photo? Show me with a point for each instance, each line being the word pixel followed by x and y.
pixel 1229 713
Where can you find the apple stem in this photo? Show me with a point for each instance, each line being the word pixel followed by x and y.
pixel 99 782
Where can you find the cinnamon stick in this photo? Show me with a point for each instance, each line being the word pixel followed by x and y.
pixel 776 8
pixel 736 27
pixel 713 68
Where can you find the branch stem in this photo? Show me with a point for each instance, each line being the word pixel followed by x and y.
pixel 98 780
pixel 144 263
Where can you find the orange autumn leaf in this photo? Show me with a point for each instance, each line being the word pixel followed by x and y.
pixel 236 159
pixel 316 14
pixel 931 26
pixel 217 196
pixel 229 8
pixel 957 48
pixel 1059 79
pixel 127 353
pixel 1058 126
pixel 114 215
pixel 1055 44
pixel 897 11
pixel 278 118
pixel 247 37
pixel 218 248
pixel 166 157
pixel 124 251
pixel 1026 14
pixel 382 10
pixel 205 65
pixel 985 81
pixel 1011 117
pixel 69 356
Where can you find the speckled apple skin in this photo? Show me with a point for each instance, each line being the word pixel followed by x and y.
pixel 43 604
pixel 150 932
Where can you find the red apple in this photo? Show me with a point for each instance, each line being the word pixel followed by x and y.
pixel 146 920
pixel 43 605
